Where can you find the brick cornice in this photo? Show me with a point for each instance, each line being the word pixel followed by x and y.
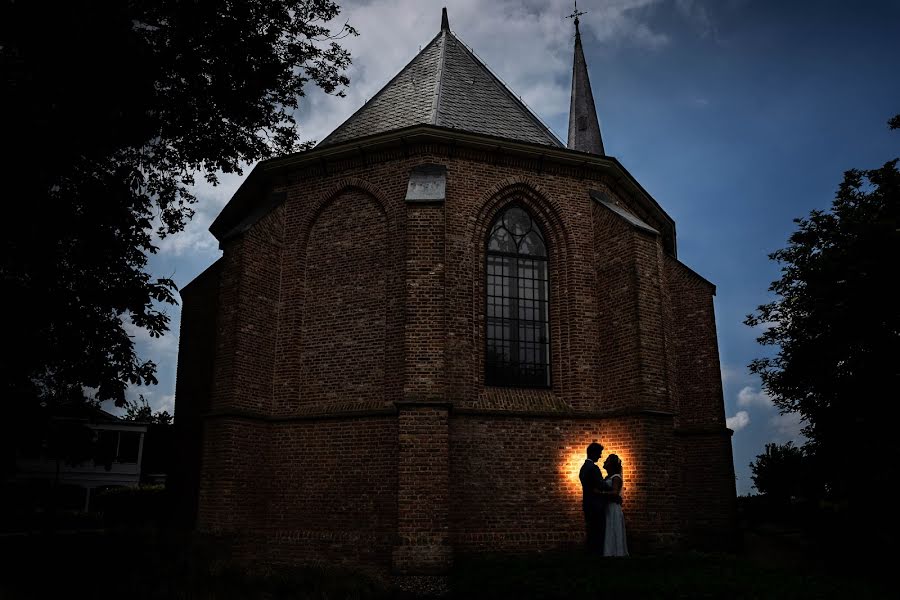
pixel 423 402
pixel 398 143
pixel 481 412
pixel 568 414
pixel 259 417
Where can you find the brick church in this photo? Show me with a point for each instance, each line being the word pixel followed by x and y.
pixel 417 326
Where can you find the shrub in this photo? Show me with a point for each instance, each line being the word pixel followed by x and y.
pixel 134 506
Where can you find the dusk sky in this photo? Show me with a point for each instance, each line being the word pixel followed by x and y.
pixel 736 115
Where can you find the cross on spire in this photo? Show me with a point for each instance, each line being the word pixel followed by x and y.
pixel 575 14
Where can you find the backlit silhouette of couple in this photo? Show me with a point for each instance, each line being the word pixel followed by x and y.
pixel 602 503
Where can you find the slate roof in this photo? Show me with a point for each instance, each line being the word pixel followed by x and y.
pixel 604 200
pixel 448 86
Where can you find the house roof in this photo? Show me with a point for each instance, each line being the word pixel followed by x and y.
pixel 447 86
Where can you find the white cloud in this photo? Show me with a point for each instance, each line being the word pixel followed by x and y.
pixel 165 345
pixel 166 403
pixel 732 374
pixel 527 44
pixel 765 325
pixel 749 396
pixel 696 12
pixel 156 402
pixel 738 421
pixel 788 427
pixel 196 238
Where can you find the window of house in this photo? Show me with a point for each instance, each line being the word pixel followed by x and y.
pixel 129 444
pixel 105 447
pixel 517 326
pixel 116 447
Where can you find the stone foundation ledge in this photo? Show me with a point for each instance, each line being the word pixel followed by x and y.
pixel 428 586
pixel 422 559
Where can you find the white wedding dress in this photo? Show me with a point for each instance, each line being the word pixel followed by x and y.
pixel 614 542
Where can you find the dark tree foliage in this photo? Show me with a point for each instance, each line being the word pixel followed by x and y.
pixel 139 410
pixel 836 326
pixel 781 472
pixel 111 110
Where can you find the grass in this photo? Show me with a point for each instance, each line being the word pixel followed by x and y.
pixel 149 564
pixel 688 575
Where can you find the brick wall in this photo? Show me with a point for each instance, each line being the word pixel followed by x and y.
pixel 349 370
pixel 333 491
pixel 423 490
pixel 515 486
pixel 232 486
pixel 708 506
pixel 696 349
pixel 234 481
pixel 246 324
pixel 342 325
pixel 616 290
pixel 193 387
pixel 425 320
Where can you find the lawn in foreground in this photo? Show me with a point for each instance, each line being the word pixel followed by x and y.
pixel 152 565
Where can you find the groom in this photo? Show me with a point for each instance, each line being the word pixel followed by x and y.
pixel 595 495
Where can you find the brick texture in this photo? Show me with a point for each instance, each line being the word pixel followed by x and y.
pixel 345 416
pixel 333 492
pixel 423 490
pixel 196 364
pixel 342 331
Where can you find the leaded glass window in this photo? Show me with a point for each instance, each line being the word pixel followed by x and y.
pixel 517 326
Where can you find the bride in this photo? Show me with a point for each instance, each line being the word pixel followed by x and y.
pixel 614 541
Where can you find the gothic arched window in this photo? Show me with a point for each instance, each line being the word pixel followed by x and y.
pixel 517 325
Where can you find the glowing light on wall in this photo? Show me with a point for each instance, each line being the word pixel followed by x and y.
pixel 573 456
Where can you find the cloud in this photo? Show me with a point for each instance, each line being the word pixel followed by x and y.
pixel 157 402
pixel 788 427
pixel 166 403
pixel 164 346
pixel 732 374
pixel 527 44
pixel 738 421
pixel 749 396
pixel 196 238
pixel 765 326
pixel 700 102
pixel 697 14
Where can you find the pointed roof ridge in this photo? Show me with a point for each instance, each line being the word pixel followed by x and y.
pixel 340 128
pixel 584 127
pixel 439 82
pixel 516 99
pixel 446 85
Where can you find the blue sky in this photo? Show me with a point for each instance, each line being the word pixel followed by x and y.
pixel 737 116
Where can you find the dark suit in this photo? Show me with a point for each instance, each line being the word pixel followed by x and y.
pixel 594 505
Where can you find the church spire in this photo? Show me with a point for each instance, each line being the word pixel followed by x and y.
pixel 584 128
pixel 445 22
